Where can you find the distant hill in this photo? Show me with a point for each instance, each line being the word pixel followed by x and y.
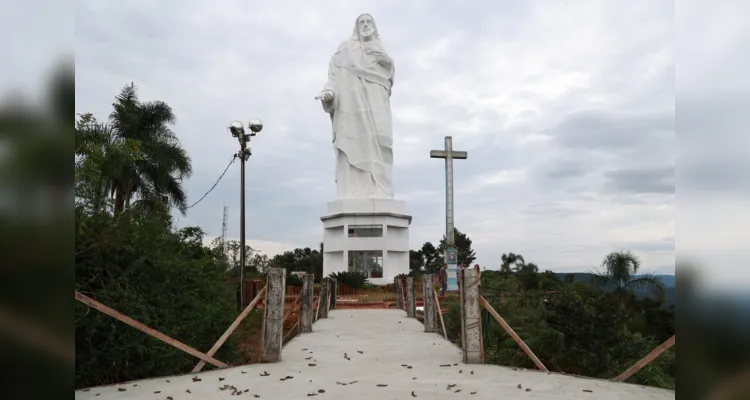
pixel 667 280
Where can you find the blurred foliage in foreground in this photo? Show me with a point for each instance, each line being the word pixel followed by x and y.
pixel 36 243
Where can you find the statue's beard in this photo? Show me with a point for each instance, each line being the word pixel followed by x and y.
pixel 366 33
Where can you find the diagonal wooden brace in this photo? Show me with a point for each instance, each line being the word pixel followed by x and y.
pixel 145 329
pixel 231 329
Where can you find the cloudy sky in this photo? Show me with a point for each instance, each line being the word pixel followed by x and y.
pixel 566 108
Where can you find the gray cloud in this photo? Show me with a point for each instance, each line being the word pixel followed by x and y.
pixel 641 180
pixel 614 132
pixel 557 105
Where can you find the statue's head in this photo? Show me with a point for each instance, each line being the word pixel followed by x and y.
pixel 365 28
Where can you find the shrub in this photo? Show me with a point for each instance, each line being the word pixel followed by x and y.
pixel 293 280
pixel 354 280
pixel 167 280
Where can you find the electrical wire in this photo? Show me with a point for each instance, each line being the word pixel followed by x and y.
pixel 217 181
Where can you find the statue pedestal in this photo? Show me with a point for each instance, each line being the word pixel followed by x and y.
pixel 366 235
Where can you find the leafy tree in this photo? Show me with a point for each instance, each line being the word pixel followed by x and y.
pixel 433 258
pixel 466 254
pixel 528 274
pixel 301 259
pixel 416 260
pixel 512 262
pixel 256 262
pixel 160 164
pixel 620 268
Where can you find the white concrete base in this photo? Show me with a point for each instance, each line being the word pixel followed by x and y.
pixel 387 341
pixel 346 214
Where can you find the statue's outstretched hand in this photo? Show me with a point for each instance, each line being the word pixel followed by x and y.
pixel 325 95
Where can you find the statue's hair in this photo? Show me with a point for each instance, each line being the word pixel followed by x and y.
pixel 355 34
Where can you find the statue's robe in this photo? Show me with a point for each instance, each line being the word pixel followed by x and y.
pixel 361 119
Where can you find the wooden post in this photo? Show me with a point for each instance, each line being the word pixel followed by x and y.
pixel 231 329
pixel 512 334
pixel 471 331
pixel 397 288
pixel 275 299
pixel 430 322
pixel 306 313
pixel 645 360
pixel 325 288
pixel 403 293
pixel 411 304
pixel 316 305
pixel 440 313
pixel 145 329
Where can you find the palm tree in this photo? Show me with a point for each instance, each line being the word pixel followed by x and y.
pixel 621 269
pixel 100 157
pixel 156 175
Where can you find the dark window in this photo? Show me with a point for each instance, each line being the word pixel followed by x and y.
pixel 365 230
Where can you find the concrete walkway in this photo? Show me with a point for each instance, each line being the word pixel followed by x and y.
pixel 372 354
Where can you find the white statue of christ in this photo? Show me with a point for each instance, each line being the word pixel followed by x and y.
pixel 357 97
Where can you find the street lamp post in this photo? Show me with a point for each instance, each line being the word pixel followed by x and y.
pixel 255 125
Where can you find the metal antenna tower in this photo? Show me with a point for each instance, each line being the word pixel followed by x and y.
pixel 224 229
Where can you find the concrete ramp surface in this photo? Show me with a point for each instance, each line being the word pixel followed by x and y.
pixel 372 354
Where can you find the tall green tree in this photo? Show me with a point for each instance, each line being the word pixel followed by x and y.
pixel 416 260
pixel 466 254
pixel 255 261
pixel 156 175
pixel 300 259
pixel 433 259
pixel 620 268
pixel 100 155
pixel 512 262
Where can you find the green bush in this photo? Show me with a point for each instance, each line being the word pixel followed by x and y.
pixel 293 280
pixel 167 280
pixel 576 329
pixel 354 280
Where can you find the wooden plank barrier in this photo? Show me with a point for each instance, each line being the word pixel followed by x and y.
pixel 231 329
pixel 645 360
pixel 512 334
pixel 440 313
pixel 147 330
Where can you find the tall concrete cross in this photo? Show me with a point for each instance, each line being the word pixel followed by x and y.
pixel 449 154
